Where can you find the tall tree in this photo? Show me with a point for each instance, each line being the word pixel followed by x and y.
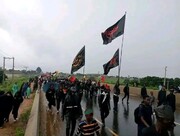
pixel 38 70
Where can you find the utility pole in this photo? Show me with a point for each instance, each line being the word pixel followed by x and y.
pixel 4 64
pixel 13 69
pixel 3 68
pixel 165 76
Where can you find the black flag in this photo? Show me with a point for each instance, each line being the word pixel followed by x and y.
pixel 114 31
pixel 112 63
pixel 78 61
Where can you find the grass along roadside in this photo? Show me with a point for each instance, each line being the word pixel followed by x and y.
pixel 20 130
pixel 7 85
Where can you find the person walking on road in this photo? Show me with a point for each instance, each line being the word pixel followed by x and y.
pixel 18 99
pixel 145 113
pixel 59 95
pixel 152 99
pixel 88 127
pixel 171 101
pixel 162 96
pixel 126 93
pixel 164 122
pixel 71 111
pixel 143 91
pixel 104 104
pixel 50 96
pixel 116 96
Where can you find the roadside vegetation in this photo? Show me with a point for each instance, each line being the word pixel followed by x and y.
pixel 7 84
pixel 20 130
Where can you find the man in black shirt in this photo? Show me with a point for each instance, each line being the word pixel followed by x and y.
pixel 162 96
pixel 50 96
pixel 126 93
pixel 145 113
pixel 171 101
pixel 71 110
pixel 143 91
pixel 165 121
pixel 104 104
pixel 116 96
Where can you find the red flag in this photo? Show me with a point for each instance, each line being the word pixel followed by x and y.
pixel 112 63
pixel 102 79
pixel 114 31
pixel 72 79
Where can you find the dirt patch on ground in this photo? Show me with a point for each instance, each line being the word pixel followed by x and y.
pixel 12 128
pixel 50 122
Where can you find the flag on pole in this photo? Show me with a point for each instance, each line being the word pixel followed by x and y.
pixel 112 63
pixel 79 60
pixel 114 31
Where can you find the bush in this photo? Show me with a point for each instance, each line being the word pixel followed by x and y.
pixel 19 131
pixel 25 116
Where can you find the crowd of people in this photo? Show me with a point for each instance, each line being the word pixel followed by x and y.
pixel 164 112
pixel 66 96
pixel 10 101
pixel 69 94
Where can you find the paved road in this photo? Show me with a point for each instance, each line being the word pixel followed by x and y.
pixel 117 124
pixel 122 123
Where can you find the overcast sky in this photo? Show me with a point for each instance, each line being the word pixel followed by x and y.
pixel 49 34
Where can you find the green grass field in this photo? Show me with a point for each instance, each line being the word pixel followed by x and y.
pixel 7 85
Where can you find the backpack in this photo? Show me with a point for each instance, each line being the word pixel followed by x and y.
pixel 137 119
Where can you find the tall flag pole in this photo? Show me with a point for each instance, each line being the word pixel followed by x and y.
pixel 113 32
pixel 79 61
pixel 108 35
pixel 83 70
pixel 119 67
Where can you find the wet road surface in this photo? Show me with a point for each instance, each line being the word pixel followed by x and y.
pixel 117 124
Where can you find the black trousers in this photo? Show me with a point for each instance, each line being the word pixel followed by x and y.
pixel 1 118
pixel 104 114
pixel 51 103
pixel 58 103
pixel 6 114
pixel 126 95
pixel 115 100
pixel 70 126
pixel 15 111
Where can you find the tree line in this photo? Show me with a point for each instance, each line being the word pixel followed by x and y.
pixel 153 81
